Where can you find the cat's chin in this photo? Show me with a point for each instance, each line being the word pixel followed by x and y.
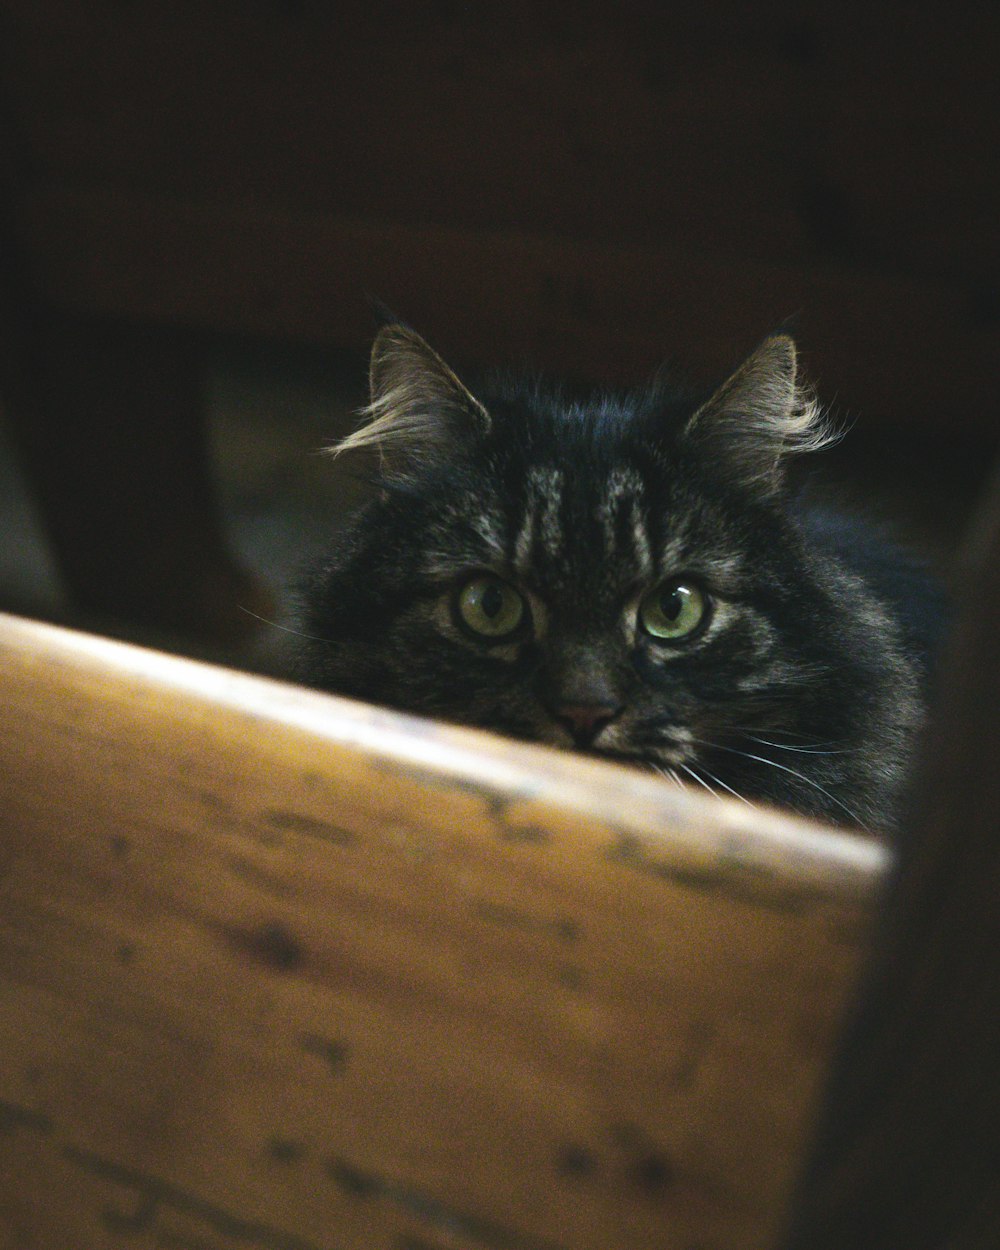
pixel 634 759
pixel 614 746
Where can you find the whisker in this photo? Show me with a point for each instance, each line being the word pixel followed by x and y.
pixel 667 774
pixel 780 746
pixel 284 628
pixel 729 789
pixel 691 773
pixel 791 772
pixel 797 742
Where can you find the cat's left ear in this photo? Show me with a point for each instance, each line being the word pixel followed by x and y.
pixel 758 417
pixel 419 411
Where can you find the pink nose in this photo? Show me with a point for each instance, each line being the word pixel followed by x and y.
pixel 586 720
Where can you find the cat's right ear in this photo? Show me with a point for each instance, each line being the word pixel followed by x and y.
pixel 419 411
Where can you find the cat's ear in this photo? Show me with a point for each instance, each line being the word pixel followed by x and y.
pixel 759 416
pixel 419 411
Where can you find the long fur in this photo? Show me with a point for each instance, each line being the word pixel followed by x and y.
pixel 801 681
pixel 415 398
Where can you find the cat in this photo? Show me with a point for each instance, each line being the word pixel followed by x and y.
pixel 630 576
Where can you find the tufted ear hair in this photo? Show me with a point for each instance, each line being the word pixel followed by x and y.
pixel 419 412
pixel 758 417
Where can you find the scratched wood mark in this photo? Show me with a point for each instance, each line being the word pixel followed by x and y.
pixel 284 972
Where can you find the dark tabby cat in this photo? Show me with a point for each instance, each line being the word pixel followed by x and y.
pixel 631 577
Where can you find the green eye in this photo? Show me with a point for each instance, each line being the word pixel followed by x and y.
pixel 490 607
pixel 673 610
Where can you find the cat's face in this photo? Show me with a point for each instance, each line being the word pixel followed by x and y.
pixel 577 612
pixel 611 578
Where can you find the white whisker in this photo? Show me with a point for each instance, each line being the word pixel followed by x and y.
pixel 729 789
pixel 760 759
pixel 284 628
pixel 668 774
pixel 800 744
pixel 691 773
pixel 780 746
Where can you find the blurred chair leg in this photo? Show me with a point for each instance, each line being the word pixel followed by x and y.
pixel 908 1153
pixel 110 421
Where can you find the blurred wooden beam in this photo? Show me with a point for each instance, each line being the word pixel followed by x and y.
pixel 908 1152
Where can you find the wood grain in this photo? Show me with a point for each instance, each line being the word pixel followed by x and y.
pixel 282 971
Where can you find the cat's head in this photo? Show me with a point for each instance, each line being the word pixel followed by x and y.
pixel 617 575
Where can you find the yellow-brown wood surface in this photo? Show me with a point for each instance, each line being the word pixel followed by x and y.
pixel 285 972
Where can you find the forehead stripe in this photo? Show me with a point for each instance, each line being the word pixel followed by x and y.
pixel 640 538
pixel 621 516
pixel 525 539
pixel 550 488
pixel 540 522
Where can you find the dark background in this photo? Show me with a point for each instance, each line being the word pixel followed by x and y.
pixel 196 200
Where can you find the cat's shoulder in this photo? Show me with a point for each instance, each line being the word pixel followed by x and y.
pixel 899 576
